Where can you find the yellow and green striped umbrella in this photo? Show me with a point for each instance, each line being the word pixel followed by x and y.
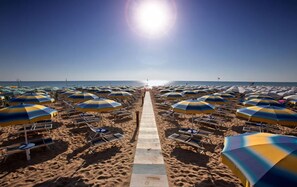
pixel 120 94
pixel 262 159
pixel 212 99
pixel 257 102
pixel 193 106
pixel 98 105
pixel 79 97
pixel 172 95
pixel 25 114
pixel 268 114
pixel 32 99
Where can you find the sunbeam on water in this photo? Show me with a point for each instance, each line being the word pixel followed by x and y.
pixel 151 83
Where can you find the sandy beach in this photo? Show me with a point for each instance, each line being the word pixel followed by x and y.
pixel 71 161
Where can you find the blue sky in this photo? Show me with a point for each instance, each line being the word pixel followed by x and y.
pixel 237 40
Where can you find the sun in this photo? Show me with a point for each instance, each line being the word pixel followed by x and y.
pixel 152 18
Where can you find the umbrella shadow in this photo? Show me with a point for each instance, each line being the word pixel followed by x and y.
pixel 190 157
pixel 97 157
pixel 237 129
pixel 18 160
pixel 217 182
pixel 63 181
pixel 170 131
pixel 74 153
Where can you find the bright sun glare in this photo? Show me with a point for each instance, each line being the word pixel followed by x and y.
pixel 153 18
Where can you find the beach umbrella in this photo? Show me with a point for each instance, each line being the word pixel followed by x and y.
pixel 32 99
pixel 103 91
pixel 172 95
pixel 25 114
pixel 120 94
pixel 291 97
pixel 259 96
pixel 193 106
pixel 257 102
pixel 164 91
pixel 212 99
pixel 80 97
pixel 189 93
pixel 98 105
pixel 268 114
pixel 262 159
pixel 224 95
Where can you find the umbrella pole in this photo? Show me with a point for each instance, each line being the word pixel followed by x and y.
pixel 26 141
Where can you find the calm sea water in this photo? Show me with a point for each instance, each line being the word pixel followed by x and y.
pixel 62 84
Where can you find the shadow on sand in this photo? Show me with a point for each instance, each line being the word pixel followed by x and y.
pixel 18 160
pixel 63 182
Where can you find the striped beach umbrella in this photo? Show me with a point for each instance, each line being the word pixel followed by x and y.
pixel 259 96
pixel 224 95
pixel 172 95
pixel 98 105
pixel 120 94
pixel 164 91
pixel 262 159
pixel 25 114
pixel 268 114
pixel 291 97
pixel 103 91
pixel 80 97
pixel 193 106
pixel 189 93
pixel 212 99
pixel 257 102
pixel 32 99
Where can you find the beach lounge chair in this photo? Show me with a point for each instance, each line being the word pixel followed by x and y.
pixel 187 139
pixel 85 120
pixel 97 131
pixel 194 132
pixel 37 127
pixel 106 139
pixel 169 115
pixel 254 127
pixel 21 147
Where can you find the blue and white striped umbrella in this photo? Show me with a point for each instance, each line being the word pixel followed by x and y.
pixel 262 159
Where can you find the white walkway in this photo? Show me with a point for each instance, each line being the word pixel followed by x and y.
pixel 148 167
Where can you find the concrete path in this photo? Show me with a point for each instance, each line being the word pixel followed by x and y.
pixel 148 167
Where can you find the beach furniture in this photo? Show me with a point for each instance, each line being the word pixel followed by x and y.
pixel 98 131
pixel 44 125
pixel 22 147
pixel 188 140
pixel 25 114
pixel 85 119
pixel 169 115
pixel 196 132
pixel 109 138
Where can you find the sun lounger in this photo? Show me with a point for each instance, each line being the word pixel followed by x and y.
pixel 194 132
pixel 36 127
pixel 84 120
pixel 106 139
pixel 186 139
pixel 21 147
pixel 254 127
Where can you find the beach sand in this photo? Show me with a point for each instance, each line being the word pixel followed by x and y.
pixel 70 160
pixel 186 166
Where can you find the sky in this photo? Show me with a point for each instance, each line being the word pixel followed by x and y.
pixel 236 40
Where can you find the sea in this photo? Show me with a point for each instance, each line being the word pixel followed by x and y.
pixel 150 83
